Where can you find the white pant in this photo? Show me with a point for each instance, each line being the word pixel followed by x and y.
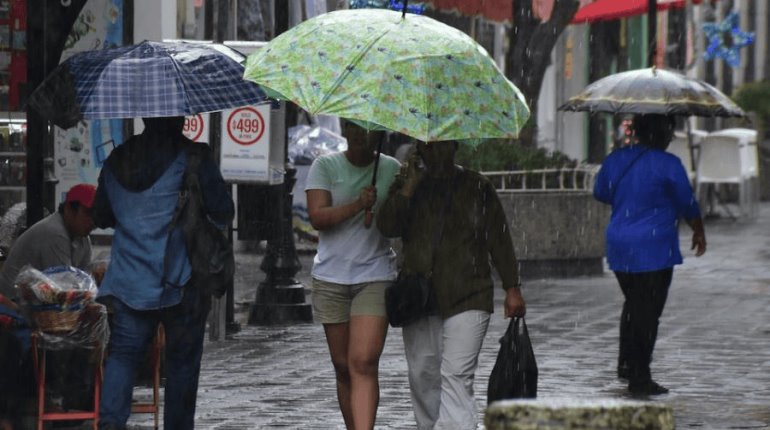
pixel 442 356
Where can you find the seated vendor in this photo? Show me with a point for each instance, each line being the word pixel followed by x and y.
pixel 60 239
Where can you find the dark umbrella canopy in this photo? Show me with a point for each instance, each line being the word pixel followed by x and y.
pixel 653 91
pixel 149 79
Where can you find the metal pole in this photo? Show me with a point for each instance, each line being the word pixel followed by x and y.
pixel 221 308
pixel 652 30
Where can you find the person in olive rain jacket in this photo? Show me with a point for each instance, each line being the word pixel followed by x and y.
pixel 442 349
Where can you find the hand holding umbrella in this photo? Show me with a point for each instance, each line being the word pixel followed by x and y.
pixel 411 174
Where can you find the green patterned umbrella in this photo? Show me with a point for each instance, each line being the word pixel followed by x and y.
pixel 410 74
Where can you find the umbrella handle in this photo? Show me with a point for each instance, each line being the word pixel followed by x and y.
pixel 369 216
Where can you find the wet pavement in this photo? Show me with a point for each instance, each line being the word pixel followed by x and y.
pixel 713 350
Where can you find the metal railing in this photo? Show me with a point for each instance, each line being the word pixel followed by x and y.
pixel 566 179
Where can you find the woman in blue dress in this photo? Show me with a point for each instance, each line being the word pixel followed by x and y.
pixel 649 192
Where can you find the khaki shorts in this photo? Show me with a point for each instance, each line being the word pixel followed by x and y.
pixel 336 303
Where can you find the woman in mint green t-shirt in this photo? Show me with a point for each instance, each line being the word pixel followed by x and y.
pixel 353 266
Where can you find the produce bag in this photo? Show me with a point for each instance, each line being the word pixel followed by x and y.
pixel 60 302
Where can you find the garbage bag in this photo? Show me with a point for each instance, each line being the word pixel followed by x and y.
pixel 515 372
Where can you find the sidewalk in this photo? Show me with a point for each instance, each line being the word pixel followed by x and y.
pixel 713 348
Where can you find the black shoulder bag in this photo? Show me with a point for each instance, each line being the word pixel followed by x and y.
pixel 411 296
pixel 209 249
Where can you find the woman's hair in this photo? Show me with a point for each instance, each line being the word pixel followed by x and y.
pixel 654 130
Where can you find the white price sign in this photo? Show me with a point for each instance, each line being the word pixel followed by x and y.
pixel 246 144
pixel 196 127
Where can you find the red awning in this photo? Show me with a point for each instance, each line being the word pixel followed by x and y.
pixel 493 10
pixel 605 10
pixel 599 10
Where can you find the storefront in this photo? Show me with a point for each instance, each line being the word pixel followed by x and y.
pixel 13 89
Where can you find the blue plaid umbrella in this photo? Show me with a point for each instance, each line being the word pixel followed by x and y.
pixel 149 79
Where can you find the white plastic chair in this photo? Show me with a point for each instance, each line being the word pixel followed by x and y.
pixel 747 141
pixel 680 147
pixel 720 163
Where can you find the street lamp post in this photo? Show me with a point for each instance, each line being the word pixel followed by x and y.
pixel 280 298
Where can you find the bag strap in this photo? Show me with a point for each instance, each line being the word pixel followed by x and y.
pixel 628 167
pixel 190 189
pixel 439 231
pixel 190 185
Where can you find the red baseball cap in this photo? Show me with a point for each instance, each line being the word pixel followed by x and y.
pixel 83 194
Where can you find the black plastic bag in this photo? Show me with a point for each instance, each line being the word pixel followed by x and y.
pixel 515 372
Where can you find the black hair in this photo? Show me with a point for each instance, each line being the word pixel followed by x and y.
pixel 654 130
pixel 164 124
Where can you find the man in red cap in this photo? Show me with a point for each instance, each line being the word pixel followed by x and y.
pixel 60 239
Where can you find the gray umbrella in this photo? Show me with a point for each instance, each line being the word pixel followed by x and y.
pixel 653 91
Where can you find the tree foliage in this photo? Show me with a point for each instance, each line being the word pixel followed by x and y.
pixel 499 155
pixel 753 97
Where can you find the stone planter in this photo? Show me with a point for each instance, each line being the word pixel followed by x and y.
pixel 557 234
pixel 577 414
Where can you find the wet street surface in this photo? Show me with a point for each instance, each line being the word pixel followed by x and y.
pixel 713 349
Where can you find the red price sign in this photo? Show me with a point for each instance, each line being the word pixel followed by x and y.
pixel 193 127
pixel 245 125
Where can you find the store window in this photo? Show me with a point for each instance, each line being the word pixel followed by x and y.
pixel 13 91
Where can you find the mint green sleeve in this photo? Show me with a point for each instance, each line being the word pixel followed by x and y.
pixel 318 177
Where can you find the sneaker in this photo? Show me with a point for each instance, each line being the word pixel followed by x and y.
pixel 648 388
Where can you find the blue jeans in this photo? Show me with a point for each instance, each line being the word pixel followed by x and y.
pixel 131 332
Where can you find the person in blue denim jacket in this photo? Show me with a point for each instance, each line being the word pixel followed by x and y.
pixel 148 279
pixel 649 192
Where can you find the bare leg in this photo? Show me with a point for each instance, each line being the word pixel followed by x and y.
pixel 337 337
pixel 367 338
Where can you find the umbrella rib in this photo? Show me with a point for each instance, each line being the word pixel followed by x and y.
pixel 185 90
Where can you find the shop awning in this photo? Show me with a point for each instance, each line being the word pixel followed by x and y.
pixel 598 10
pixel 493 10
pixel 605 10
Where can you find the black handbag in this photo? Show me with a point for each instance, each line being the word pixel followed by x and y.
pixel 411 296
pixel 408 299
pixel 515 372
